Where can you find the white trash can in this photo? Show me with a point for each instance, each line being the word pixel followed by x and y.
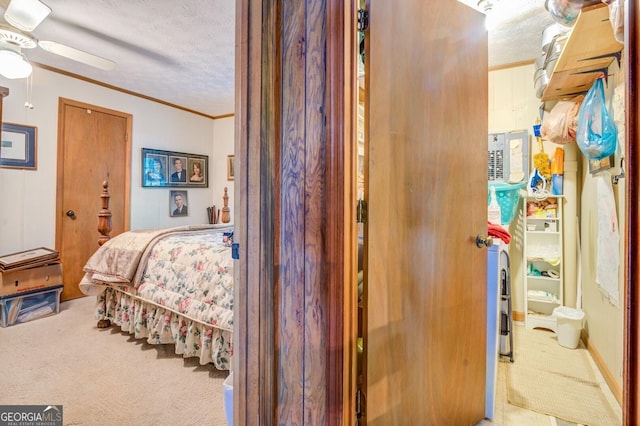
pixel 228 398
pixel 569 326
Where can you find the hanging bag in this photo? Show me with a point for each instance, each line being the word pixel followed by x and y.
pixel 597 133
pixel 559 125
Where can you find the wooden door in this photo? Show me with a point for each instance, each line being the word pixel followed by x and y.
pixel 426 70
pixel 92 147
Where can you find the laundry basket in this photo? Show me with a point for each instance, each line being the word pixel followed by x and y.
pixel 508 195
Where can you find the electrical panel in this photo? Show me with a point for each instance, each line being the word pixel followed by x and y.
pixel 508 157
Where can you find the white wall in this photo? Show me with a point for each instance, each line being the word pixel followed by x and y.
pixel 223 134
pixel 513 106
pixel 27 212
pixel 604 322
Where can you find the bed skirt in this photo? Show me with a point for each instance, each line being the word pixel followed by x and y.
pixel 159 325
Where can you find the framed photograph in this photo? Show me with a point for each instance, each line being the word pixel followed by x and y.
pixel 230 167
pixel 596 166
pixel 178 204
pixel 18 149
pixel 174 169
pixel 29 256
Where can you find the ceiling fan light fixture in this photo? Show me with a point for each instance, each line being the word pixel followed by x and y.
pixel 13 64
pixel 486 6
pixel 26 14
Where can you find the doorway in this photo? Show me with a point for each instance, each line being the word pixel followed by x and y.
pixel 93 147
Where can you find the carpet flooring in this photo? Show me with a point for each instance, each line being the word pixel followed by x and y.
pixel 105 377
pixel 557 381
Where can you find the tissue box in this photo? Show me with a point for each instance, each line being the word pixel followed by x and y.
pixel 30 305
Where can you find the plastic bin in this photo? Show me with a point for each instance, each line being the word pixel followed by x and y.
pixel 29 305
pixel 569 326
pixel 228 398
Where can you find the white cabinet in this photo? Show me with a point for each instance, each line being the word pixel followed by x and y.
pixel 542 252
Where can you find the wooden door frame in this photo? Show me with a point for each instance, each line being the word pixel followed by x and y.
pixel 258 127
pixel 631 374
pixel 283 45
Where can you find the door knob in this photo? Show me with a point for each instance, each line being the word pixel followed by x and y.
pixel 71 214
pixel 484 241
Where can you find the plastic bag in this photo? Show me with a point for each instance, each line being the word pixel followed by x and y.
pixel 560 124
pixel 616 17
pixel 597 134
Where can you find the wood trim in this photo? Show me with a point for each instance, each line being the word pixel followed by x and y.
pixel 341 229
pixel 512 65
pixel 128 92
pixel 517 316
pixel 608 376
pixel 256 82
pixel 631 377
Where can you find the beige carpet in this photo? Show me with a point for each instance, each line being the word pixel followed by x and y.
pixel 556 381
pixel 105 377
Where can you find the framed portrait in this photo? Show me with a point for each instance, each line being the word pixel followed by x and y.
pixel 18 148
pixel 174 169
pixel 230 167
pixel 597 166
pixel 178 203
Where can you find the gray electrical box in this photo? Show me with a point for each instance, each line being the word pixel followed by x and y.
pixel 508 157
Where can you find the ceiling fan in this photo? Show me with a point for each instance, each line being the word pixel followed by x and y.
pixel 22 17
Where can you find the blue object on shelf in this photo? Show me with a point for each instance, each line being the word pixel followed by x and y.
pixel 508 195
pixel 536 130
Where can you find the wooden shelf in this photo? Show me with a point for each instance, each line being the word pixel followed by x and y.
pixel 590 48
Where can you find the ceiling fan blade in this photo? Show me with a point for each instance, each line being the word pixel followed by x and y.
pixel 77 55
pixel 26 14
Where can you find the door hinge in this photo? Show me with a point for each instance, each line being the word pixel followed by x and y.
pixel 363 19
pixel 361 211
pixel 361 404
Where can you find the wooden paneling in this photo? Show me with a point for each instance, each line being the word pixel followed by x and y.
pixel 290 180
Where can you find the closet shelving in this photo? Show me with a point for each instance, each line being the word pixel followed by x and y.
pixel 543 259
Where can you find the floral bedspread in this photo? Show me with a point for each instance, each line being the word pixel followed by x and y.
pixel 184 296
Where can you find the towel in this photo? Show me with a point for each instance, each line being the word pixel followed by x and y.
pixel 499 232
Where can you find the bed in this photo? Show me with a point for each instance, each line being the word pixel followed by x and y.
pixel 168 286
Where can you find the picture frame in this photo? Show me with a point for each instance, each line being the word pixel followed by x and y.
pixel 178 203
pixel 28 256
pixel 230 167
pixel 19 146
pixel 597 166
pixel 159 169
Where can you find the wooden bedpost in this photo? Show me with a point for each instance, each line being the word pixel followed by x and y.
pixel 104 227
pixel 104 216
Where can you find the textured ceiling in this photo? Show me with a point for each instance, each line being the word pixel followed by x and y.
pixel 516 34
pixel 182 52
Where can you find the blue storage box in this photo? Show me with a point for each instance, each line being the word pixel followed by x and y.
pixel 30 305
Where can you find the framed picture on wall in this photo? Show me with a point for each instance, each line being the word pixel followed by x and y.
pixel 597 166
pixel 230 167
pixel 178 203
pixel 19 146
pixel 174 169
